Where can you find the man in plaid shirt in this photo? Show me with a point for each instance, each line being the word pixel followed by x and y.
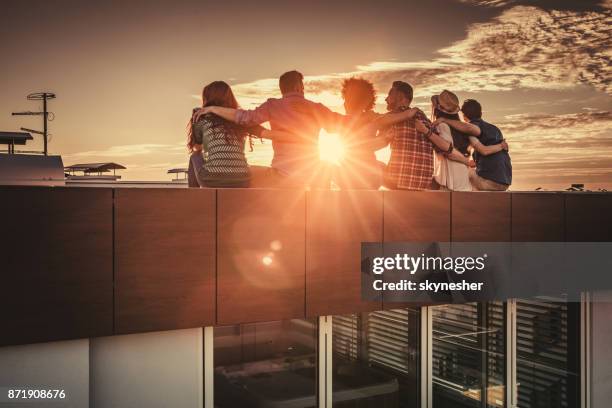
pixel 411 164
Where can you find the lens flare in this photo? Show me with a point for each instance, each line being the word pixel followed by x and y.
pixel 331 148
pixel 267 260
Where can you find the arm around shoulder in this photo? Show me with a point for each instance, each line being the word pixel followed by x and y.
pixel 463 127
pixel 255 116
pixel 389 119
pixel 328 119
pixel 485 150
pixel 225 113
pixel 444 140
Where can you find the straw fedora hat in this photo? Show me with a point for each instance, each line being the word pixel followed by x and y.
pixel 446 102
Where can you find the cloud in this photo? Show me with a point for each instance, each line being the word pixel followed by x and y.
pixel 590 118
pixel 131 150
pixel 488 3
pixel 533 48
pixel 524 47
pixel 567 148
pixel 547 4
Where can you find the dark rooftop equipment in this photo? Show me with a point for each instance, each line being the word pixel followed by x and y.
pixel 88 168
pixel 14 138
pixel 44 97
pixel 177 172
pixel 576 187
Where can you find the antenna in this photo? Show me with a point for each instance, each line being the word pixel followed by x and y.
pixel 39 96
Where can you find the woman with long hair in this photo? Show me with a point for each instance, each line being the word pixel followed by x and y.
pixel 216 145
pixel 450 173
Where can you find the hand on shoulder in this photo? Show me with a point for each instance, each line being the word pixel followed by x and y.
pixel 442 127
pixel 421 127
pixel 197 114
pixel 439 121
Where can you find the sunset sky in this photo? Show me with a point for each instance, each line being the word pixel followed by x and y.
pixel 127 75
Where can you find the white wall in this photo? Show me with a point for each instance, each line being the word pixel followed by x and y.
pixel 57 365
pixel 153 370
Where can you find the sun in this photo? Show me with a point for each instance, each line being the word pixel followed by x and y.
pixel 331 148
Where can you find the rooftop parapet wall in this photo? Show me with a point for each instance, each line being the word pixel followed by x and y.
pixel 87 262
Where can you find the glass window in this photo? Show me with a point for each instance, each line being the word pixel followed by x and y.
pixel 468 355
pixel 271 364
pixel 548 350
pixel 376 359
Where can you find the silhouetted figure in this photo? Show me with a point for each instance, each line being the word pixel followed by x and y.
pixel 359 168
pixel 296 161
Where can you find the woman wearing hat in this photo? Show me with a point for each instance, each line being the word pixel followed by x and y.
pixel 450 172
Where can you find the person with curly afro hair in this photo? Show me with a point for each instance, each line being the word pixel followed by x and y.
pixel 360 169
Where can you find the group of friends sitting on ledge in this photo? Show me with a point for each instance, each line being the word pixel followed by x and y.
pixel 426 153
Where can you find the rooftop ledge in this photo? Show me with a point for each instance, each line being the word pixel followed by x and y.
pixel 86 262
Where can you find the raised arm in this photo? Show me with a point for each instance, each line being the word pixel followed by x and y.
pixel 389 119
pixel 225 113
pixel 262 132
pixel 463 127
pixel 255 116
pixel 328 119
pixel 487 150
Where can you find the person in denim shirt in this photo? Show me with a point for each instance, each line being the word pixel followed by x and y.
pixel 493 165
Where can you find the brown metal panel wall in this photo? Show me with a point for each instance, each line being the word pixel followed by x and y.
pixel 415 216
pixel 480 217
pixel 281 254
pixel 56 246
pixel 588 217
pixel 164 259
pixel 336 224
pixel 483 217
pixel 261 255
pixel 538 217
